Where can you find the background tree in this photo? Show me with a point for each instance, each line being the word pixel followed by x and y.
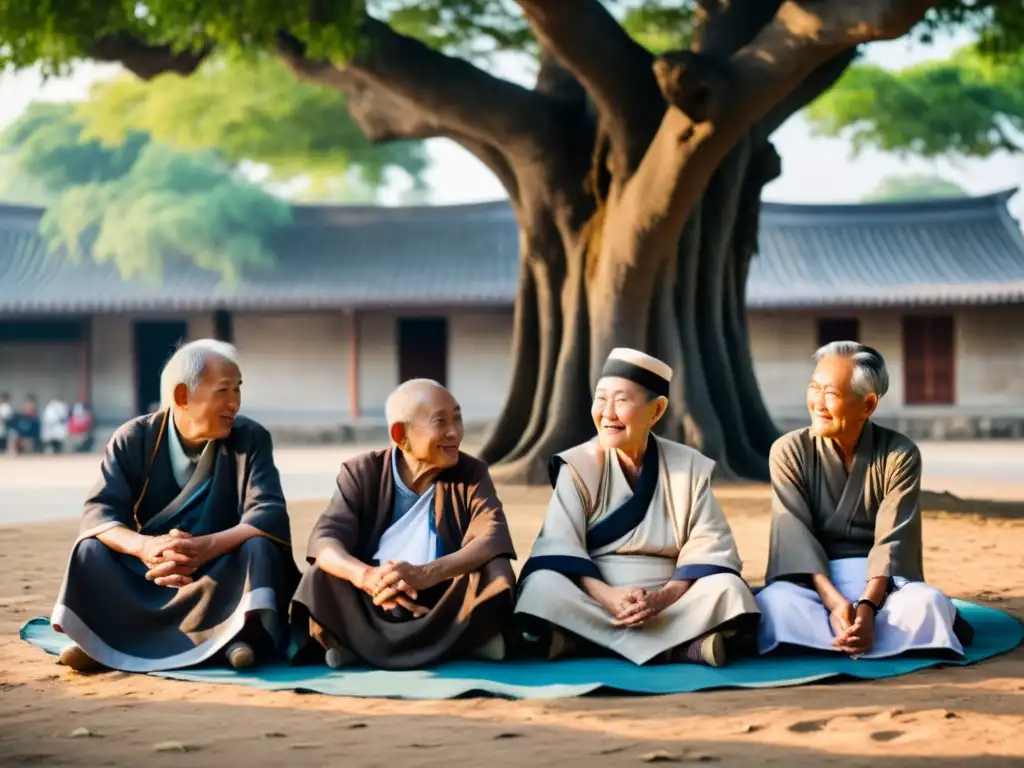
pixel 138 203
pixel 251 110
pixel 970 105
pixel 913 187
pixel 635 175
pixel 145 171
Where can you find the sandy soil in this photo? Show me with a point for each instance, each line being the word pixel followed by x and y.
pixel 944 717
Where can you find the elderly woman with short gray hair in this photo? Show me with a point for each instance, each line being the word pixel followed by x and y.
pixel 845 567
pixel 184 551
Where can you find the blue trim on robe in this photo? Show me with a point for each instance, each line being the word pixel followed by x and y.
pixel 694 571
pixel 563 564
pixel 630 513
pixel 189 517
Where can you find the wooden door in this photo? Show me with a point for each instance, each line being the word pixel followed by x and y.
pixel 929 360
pixel 423 349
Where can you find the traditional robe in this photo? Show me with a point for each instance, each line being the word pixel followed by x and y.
pixel 854 526
pixel 465 612
pixel 669 528
pixel 125 622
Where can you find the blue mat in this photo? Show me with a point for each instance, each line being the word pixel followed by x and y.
pixel 995 633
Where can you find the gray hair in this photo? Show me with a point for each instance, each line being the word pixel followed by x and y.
pixel 400 407
pixel 187 364
pixel 870 375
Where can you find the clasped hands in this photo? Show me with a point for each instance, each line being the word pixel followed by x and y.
pixel 635 606
pixel 173 558
pixel 394 584
pixel 854 630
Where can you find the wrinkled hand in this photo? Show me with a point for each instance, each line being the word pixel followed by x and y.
pixel 643 605
pixel 386 585
pixel 842 618
pixel 858 638
pixel 174 558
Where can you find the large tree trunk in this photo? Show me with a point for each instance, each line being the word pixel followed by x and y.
pixel 688 313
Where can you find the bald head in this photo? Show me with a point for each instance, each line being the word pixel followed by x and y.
pixel 425 422
pixel 409 397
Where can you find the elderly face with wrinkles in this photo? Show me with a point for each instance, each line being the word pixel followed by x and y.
pixel 433 430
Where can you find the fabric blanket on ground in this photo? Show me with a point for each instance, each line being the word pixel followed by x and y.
pixel 995 633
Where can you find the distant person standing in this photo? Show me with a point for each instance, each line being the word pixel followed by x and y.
pixel 55 425
pixel 6 415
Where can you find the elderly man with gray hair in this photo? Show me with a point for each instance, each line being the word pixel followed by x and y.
pixel 845 566
pixel 184 551
pixel 411 560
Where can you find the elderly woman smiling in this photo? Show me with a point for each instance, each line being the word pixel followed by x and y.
pixel 635 555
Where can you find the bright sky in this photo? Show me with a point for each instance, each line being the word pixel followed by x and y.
pixel 814 169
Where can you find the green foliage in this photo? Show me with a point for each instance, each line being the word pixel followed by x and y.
pixel 913 187
pixel 49 148
pixel 168 206
pixel 661 25
pixel 247 108
pixel 55 32
pixel 139 204
pixel 970 106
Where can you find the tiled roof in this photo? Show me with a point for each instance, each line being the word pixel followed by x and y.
pixel 946 251
pixel 951 251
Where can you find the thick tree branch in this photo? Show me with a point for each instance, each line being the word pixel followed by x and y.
pixel 725 26
pixel 613 68
pixel 555 80
pixel 448 91
pixel 819 81
pixel 726 99
pixel 146 61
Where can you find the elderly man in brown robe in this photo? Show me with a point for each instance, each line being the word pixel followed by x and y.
pixel 411 560
pixel 845 566
pixel 184 553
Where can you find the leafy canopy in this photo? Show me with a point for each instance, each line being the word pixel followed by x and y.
pixel 140 204
pixel 970 106
pixel 248 109
pixel 55 33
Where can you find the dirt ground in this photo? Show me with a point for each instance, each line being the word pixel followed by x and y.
pixel 946 717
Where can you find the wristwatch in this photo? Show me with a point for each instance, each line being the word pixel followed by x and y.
pixel 864 601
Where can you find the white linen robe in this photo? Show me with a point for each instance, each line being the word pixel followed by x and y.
pixel 670 528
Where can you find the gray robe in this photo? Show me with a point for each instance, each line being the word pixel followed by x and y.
pixel 821 513
pixel 108 607
pixel 669 528
pixel 852 526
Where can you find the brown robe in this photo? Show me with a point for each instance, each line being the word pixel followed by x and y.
pixel 821 513
pixel 464 612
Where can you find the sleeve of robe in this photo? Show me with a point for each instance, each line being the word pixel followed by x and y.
pixel 897 550
pixel 487 519
pixel 340 522
pixel 111 501
pixel 561 545
pixel 709 547
pixel 794 549
pixel 262 499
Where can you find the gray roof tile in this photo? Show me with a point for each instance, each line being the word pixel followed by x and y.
pixel 935 252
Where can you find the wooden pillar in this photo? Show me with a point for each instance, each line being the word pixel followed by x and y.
pixel 353 365
pixel 85 350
